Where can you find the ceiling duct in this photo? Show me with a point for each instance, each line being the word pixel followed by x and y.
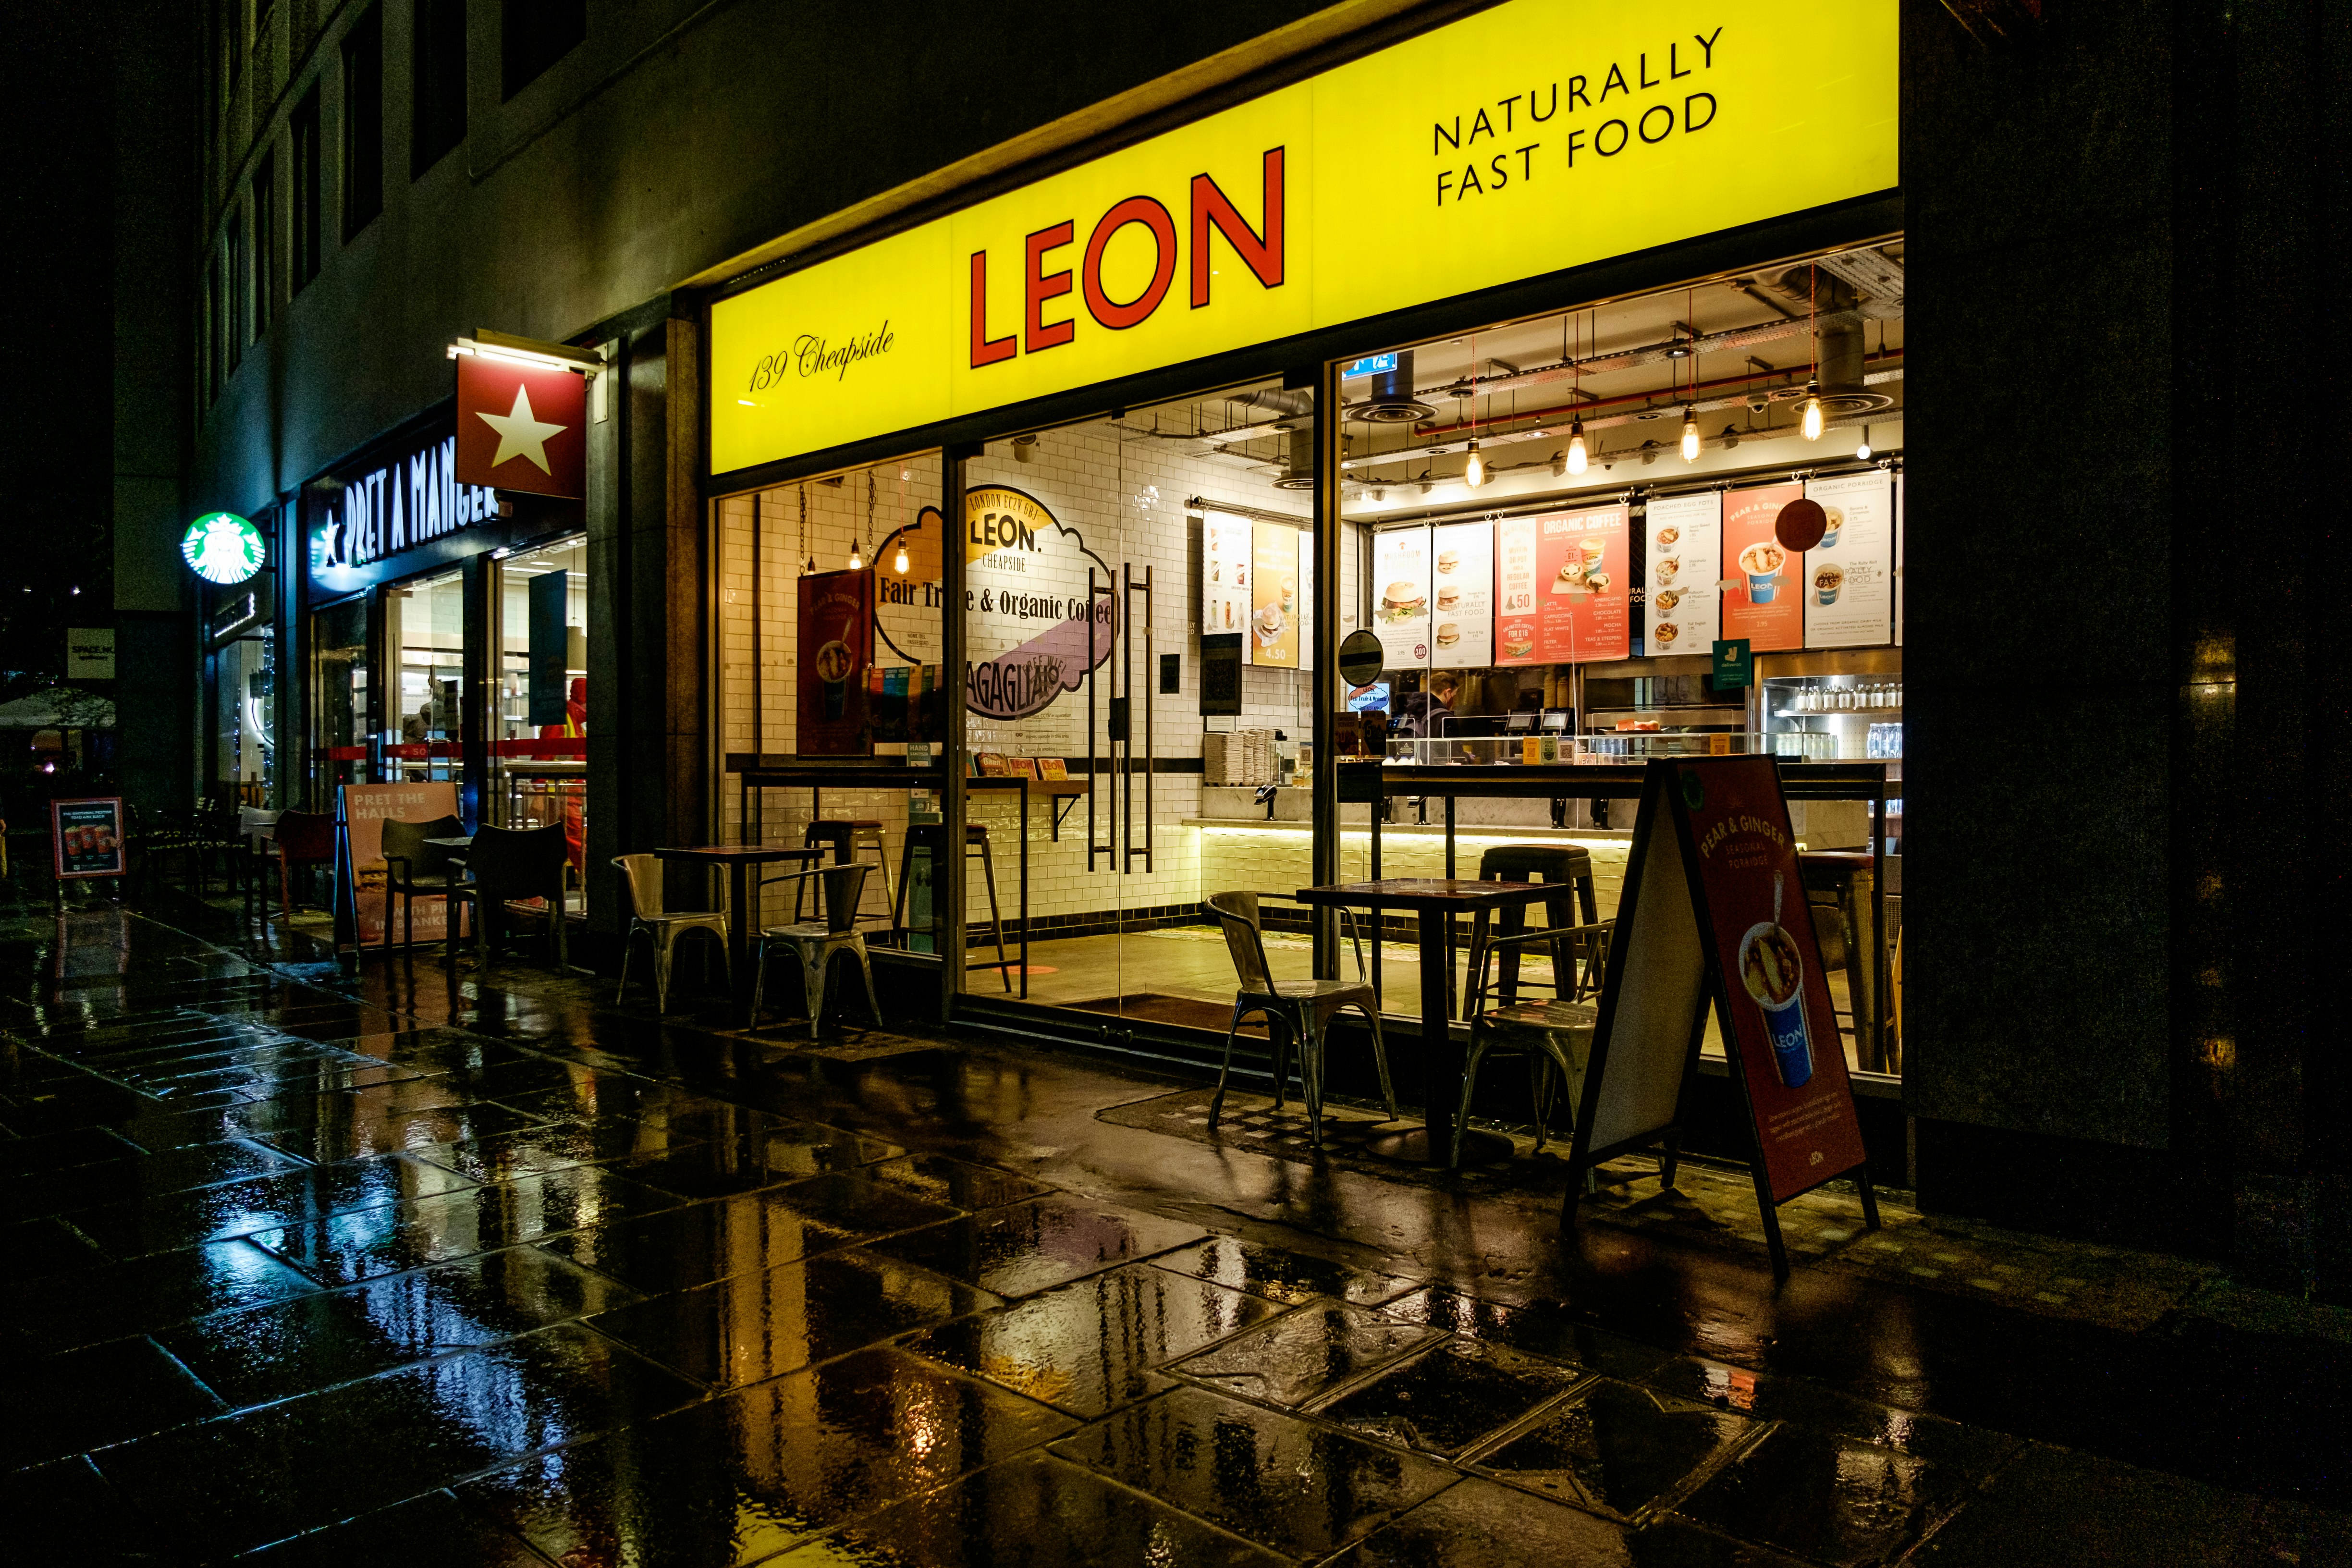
pixel 1391 400
pixel 1837 339
pixel 1299 474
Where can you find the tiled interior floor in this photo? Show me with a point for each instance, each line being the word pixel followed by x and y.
pixel 363 1271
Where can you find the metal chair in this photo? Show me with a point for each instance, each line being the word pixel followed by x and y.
pixel 849 836
pixel 1566 865
pixel 662 928
pixel 300 838
pixel 815 942
pixel 253 827
pixel 1297 1011
pixel 413 866
pixel 1555 1035
pixel 508 865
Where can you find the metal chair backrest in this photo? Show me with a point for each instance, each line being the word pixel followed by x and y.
pixel 1543 863
pixel 406 841
pixel 1238 914
pixel 305 835
pixel 642 875
pixel 518 862
pixel 842 885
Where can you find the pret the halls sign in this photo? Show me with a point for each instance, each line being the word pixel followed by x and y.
pixel 1538 135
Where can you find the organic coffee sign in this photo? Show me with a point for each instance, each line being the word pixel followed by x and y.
pixel 1035 619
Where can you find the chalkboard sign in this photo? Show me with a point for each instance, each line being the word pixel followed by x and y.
pixel 1221 673
pixel 86 837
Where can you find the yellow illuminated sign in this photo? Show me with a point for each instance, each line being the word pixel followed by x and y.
pixel 1538 135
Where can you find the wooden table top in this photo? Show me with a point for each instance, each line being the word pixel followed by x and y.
pixel 1433 893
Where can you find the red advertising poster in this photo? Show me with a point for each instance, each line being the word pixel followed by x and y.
pixel 1774 1000
pixel 1763 599
pixel 86 837
pixel 366 808
pixel 521 426
pixel 1581 583
pixel 837 625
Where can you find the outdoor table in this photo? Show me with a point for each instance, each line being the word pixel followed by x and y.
pixel 738 859
pixel 1436 900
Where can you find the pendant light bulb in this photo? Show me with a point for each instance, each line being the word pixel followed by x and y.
pixel 1475 474
pixel 1690 435
pixel 856 561
pixel 1862 453
pixel 900 563
pixel 1812 411
pixel 1578 456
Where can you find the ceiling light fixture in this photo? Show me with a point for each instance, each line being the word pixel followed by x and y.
pixel 1579 456
pixel 1812 426
pixel 1862 453
pixel 900 563
pixel 1690 435
pixel 1475 474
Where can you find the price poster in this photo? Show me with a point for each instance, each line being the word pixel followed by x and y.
pixel 1275 599
pixel 1762 598
pixel 1226 546
pixel 1686 541
pixel 1400 602
pixel 1462 594
pixel 1849 576
pixel 1582 585
pixel 1514 591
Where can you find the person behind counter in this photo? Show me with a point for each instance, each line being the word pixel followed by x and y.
pixel 1418 713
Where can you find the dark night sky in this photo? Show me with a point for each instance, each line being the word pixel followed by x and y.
pixel 56 424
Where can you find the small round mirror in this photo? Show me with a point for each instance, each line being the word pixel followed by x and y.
pixel 1800 524
pixel 1360 659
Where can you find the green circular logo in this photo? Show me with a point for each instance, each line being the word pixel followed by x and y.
pixel 1693 791
pixel 222 547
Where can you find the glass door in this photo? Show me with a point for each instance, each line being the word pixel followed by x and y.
pixel 339 674
pixel 540 707
pixel 424 628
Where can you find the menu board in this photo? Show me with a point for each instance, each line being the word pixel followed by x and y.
pixel 1224 573
pixel 1462 595
pixel 86 837
pixel 1849 576
pixel 1764 599
pixel 1516 641
pixel 1275 599
pixel 1582 585
pixel 1686 545
pixel 1400 605
pixel 1902 551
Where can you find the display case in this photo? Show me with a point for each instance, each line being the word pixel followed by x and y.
pixel 1844 707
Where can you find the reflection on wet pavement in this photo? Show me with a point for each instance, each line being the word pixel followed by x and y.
pixel 355 1270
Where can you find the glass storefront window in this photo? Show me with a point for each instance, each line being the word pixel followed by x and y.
pixel 425 625
pixel 538 745
pixel 241 739
pixel 339 672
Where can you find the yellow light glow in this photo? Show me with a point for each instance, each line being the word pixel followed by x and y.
pixel 1579 458
pixel 1690 435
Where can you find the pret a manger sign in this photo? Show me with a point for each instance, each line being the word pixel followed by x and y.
pixel 1532 137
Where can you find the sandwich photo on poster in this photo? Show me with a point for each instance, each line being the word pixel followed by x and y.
pixel 1763 596
pixel 1400 608
pixel 1685 614
pixel 1462 586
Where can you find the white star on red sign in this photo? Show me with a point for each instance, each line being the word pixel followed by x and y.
pixel 521 433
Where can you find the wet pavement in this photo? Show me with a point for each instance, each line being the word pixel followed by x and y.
pixel 350 1269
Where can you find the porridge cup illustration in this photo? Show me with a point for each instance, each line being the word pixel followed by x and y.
pixel 833 672
pixel 1826 583
pixel 1774 977
pixel 1836 515
pixel 1761 563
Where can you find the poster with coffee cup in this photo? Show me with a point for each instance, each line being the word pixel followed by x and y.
pixel 1773 995
pixel 1849 580
pixel 1685 614
pixel 836 632
pixel 1462 595
pixel 1274 601
pixel 1225 555
pixel 86 837
pixel 1583 585
pixel 1765 583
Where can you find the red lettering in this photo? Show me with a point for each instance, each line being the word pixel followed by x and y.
pixel 1261 253
pixel 1041 286
pixel 1151 216
pixel 985 350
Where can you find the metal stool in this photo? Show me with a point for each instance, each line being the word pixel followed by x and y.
pixel 846 835
pixel 932 837
pixel 1838 885
pixel 1570 867
pixel 815 942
